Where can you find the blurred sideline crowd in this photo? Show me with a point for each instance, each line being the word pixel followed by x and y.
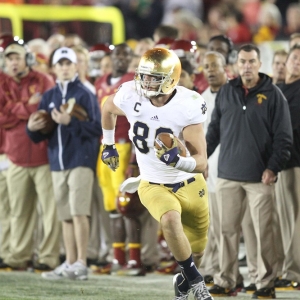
pixel 112 233
pixel 242 21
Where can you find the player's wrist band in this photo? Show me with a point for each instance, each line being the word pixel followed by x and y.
pixel 186 164
pixel 108 136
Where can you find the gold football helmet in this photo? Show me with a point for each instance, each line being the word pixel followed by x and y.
pixel 163 66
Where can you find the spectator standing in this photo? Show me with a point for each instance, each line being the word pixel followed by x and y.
pixel 269 23
pixel 236 28
pixel 165 31
pixel 100 62
pixel 55 41
pixel 278 66
pixel 187 75
pixel 97 220
pixel 294 39
pixel 106 65
pixel 110 182
pixel 142 46
pixel 254 129
pixel 172 6
pixel 224 45
pixel 28 176
pixel 73 39
pixel 287 188
pixel 82 67
pixel 73 147
pixel 292 20
pixel 187 50
pixel 4 202
pixel 214 69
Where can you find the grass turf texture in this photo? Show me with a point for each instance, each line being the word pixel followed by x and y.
pixel 26 285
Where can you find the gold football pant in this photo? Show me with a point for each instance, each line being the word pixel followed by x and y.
pixel 190 201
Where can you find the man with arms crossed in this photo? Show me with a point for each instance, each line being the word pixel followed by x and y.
pixel 172 194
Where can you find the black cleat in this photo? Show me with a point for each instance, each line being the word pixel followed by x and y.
pixel 239 287
pixel 250 289
pixel 286 285
pixel 39 268
pixel 209 280
pixel 264 293
pixel 218 291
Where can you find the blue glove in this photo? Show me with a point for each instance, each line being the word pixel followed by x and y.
pixel 169 156
pixel 110 156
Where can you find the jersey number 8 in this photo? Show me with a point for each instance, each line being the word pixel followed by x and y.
pixel 141 133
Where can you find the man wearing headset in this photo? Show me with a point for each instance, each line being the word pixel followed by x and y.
pixel 28 177
pixel 224 45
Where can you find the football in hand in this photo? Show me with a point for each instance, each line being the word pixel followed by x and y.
pixel 74 110
pixel 45 116
pixel 166 139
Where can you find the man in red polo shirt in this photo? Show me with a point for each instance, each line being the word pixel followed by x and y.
pixel 28 177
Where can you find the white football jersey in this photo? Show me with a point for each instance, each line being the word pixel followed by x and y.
pixel 147 121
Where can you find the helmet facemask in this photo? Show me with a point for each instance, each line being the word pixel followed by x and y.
pixel 164 68
pixel 160 80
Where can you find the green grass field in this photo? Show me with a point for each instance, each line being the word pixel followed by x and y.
pixel 26 285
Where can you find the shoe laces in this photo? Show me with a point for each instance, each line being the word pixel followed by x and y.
pixel 182 297
pixel 200 291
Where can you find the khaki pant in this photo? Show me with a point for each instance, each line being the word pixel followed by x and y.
pixel 210 260
pixel 99 242
pixel 149 229
pixel 278 239
pixel 230 197
pixel 4 212
pixel 24 186
pixel 250 243
pixel 288 202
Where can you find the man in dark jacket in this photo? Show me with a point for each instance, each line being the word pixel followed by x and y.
pixel 288 188
pixel 73 147
pixel 252 123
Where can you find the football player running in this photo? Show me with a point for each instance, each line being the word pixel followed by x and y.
pixel 172 187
